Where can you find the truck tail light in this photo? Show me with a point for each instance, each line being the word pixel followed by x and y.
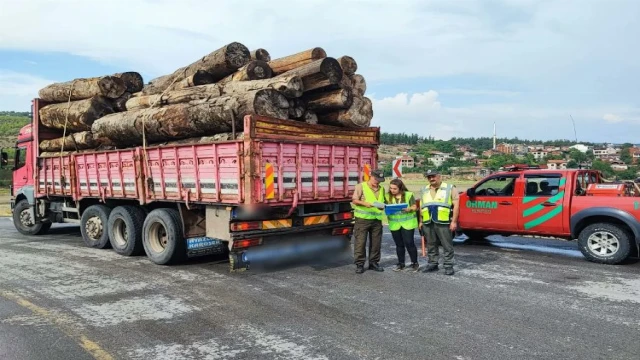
pixel 342 231
pixel 244 226
pixel 242 244
pixel 343 216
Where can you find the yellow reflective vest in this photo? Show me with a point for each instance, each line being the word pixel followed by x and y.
pixel 438 208
pixel 371 213
pixel 401 219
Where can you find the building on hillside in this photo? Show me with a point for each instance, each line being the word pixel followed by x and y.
pixel 504 148
pixel 489 153
pixel 556 153
pixel 470 172
pixel 468 156
pixel 539 154
pixel 481 162
pixel 580 147
pixel 604 151
pixel 619 166
pixel 438 158
pixel 635 154
pixel 463 148
pixel 406 161
pixel 557 164
pixel 609 158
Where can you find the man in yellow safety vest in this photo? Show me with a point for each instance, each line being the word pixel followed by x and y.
pixel 438 220
pixel 368 205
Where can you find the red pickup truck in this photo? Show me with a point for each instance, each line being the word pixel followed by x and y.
pixel 603 216
pixel 285 180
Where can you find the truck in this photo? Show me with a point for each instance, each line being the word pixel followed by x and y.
pixel 282 180
pixel 572 204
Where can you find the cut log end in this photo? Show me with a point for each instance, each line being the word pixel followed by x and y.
pixel 329 101
pixel 112 87
pixel 258 70
pixel 200 77
pixel 132 81
pixel 357 116
pixel 237 55
pixel 260 54
pixel 359 84
pixel 348 64
pixel 310 117
pixel 318 53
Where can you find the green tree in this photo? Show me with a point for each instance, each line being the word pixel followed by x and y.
pixel 572 164
pixel 578 156
pixel 604 167
pixel 625 154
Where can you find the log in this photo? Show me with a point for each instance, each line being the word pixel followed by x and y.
pixel 296 108
pixel 287 63
pixel 120 104
pixel 329 101
pixel 75 141
pixel 289 86
pixel 260 54
pixel 348 65
pixel 200 77
pixel 82 113
pixel 132 81
pixel 254 70
pixel 201 92
pixel 358 115
pixel 318 74
pixel 219 63
pixel 184 120
pixel 359 84
pixel 83 88
pixel 310 117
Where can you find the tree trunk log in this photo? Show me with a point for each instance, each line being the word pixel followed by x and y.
pixel 260 54
pixel 201 92
pixel 75 141
pixel 120 104
pixel 318 74
pixel 348 65
pixel 359 84
pixel 296 108
pixel 85 88
pixel 310 117
pixel 132 81
pixel 255 70
pixel 200 77
pixel 81 113
pixel 289 86
pixel 184 120
pixel 287 63
pixel 220 63
pixel 329 101
pixel 358 115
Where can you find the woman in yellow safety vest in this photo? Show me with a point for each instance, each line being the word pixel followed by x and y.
pixel 402 224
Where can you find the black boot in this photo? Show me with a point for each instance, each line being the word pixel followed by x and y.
pixel 430 268
pixel 375 267
pixel 359 269
pixel 449 271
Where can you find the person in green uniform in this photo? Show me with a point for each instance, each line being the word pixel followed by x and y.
pixel 439 221
pixel 368 204
pixel 403 224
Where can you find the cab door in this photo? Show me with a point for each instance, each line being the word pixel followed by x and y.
pixel 493 205
pixel 22 172
pixel 542 206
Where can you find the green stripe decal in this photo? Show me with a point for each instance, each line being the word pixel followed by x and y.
pixel 544 218
pixel 527 199
pixel 562 181
pixel 534 209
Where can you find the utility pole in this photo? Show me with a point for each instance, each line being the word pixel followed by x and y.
pixel 494 135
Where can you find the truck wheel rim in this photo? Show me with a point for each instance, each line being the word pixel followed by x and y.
pixel 25 218
pixel 603 243
pixel 158 237
pixel 120 234
pixel 94 228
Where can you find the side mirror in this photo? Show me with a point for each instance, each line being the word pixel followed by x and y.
pixel 4 160
pixel 471 192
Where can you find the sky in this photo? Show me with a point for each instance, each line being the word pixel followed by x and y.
pixel 441 68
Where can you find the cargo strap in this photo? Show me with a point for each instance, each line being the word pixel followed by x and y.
pixel 64 135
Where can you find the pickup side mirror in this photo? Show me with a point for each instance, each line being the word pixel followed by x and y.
pixel 4 159
pixel 471 192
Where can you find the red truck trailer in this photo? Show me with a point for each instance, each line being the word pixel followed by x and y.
pixel 285 179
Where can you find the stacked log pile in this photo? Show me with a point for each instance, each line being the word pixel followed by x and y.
pixel 205 100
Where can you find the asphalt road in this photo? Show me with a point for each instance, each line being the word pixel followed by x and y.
pixel 515 299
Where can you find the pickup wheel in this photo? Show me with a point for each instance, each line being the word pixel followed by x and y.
pixel 476 236
pixel 93 226
pixel 605 243
pixel 125 230
pixel 24 223
pixel 162 236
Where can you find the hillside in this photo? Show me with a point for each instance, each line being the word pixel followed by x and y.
pixel 10 124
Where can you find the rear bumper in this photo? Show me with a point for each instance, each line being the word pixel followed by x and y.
pixel 291 230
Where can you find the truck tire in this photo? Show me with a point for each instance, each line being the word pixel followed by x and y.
pixel 162 236
pixel 477 237
pixel 24 223
pixel 125 230
pixel 605 243
pixel 93 226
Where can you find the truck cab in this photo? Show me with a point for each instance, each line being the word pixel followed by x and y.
pixel 569 204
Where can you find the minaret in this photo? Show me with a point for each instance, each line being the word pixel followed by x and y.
pixel 494 135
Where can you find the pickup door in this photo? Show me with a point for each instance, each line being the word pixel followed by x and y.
pixel 541 210
pixel 494 206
